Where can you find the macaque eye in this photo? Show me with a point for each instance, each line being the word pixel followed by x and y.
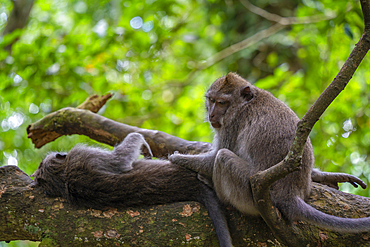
pixel 221 102
pixel 212 100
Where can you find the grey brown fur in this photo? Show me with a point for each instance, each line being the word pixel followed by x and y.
pixel 253 131
pixel 93 177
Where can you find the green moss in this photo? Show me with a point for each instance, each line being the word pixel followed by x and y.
pixel 48 242
pixel 32 229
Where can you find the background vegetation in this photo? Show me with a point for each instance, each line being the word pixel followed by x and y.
pixel 157 59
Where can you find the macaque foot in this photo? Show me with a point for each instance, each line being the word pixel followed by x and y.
pixel 332 179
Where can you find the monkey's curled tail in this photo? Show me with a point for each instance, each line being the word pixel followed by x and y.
pixel 303 211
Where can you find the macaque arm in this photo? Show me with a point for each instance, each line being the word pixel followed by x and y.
pixel 127 152
pixel 202 163
pixel 332 179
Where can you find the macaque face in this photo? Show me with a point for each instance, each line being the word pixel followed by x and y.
pixel 217 107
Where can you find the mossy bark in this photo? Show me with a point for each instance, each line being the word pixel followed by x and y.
pixel 28 214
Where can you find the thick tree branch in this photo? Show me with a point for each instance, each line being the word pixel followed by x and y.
pixel 29 214
pixel 262 181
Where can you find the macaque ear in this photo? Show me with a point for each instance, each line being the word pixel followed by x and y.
pixel 60 156
pixel 246 93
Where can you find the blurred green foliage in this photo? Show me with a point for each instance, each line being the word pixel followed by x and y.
pixel 147 54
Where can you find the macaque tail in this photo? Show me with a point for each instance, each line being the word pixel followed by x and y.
pixel 303 211
pixel 215 211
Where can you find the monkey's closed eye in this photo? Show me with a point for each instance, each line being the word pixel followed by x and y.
pixel 221 102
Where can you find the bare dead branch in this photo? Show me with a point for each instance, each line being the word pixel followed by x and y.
pixel 40 137
pixel 95 102
pixel 69 121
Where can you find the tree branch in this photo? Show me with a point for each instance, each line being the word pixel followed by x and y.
pixel 286 20
pixel 262 181
pixel 240 46
pixel 281 23
pixel 27 213
pixel 306 124
pixel 70 121
pixel 41 136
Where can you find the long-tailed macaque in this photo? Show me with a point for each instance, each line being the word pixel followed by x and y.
pixel 253 131
pixel 93 177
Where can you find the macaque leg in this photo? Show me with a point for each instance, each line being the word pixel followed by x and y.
pixel 231 181
pixel 332 179
pixel 129 150
pixel 202 163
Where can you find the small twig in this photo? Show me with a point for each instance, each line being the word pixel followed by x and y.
pixel 281 23
pixel 240 46
pixel 227 52
pixel 336 86
pixel 286 20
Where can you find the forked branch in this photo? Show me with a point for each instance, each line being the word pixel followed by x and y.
pixel 262 181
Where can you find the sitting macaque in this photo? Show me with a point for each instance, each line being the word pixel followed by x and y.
pixel 97 178
pixel 253 132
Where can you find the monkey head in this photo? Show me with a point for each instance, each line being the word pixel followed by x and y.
pixel 50 174
pixel 227 92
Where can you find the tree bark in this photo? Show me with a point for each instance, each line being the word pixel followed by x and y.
pixel 28 214
pixel 69 121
